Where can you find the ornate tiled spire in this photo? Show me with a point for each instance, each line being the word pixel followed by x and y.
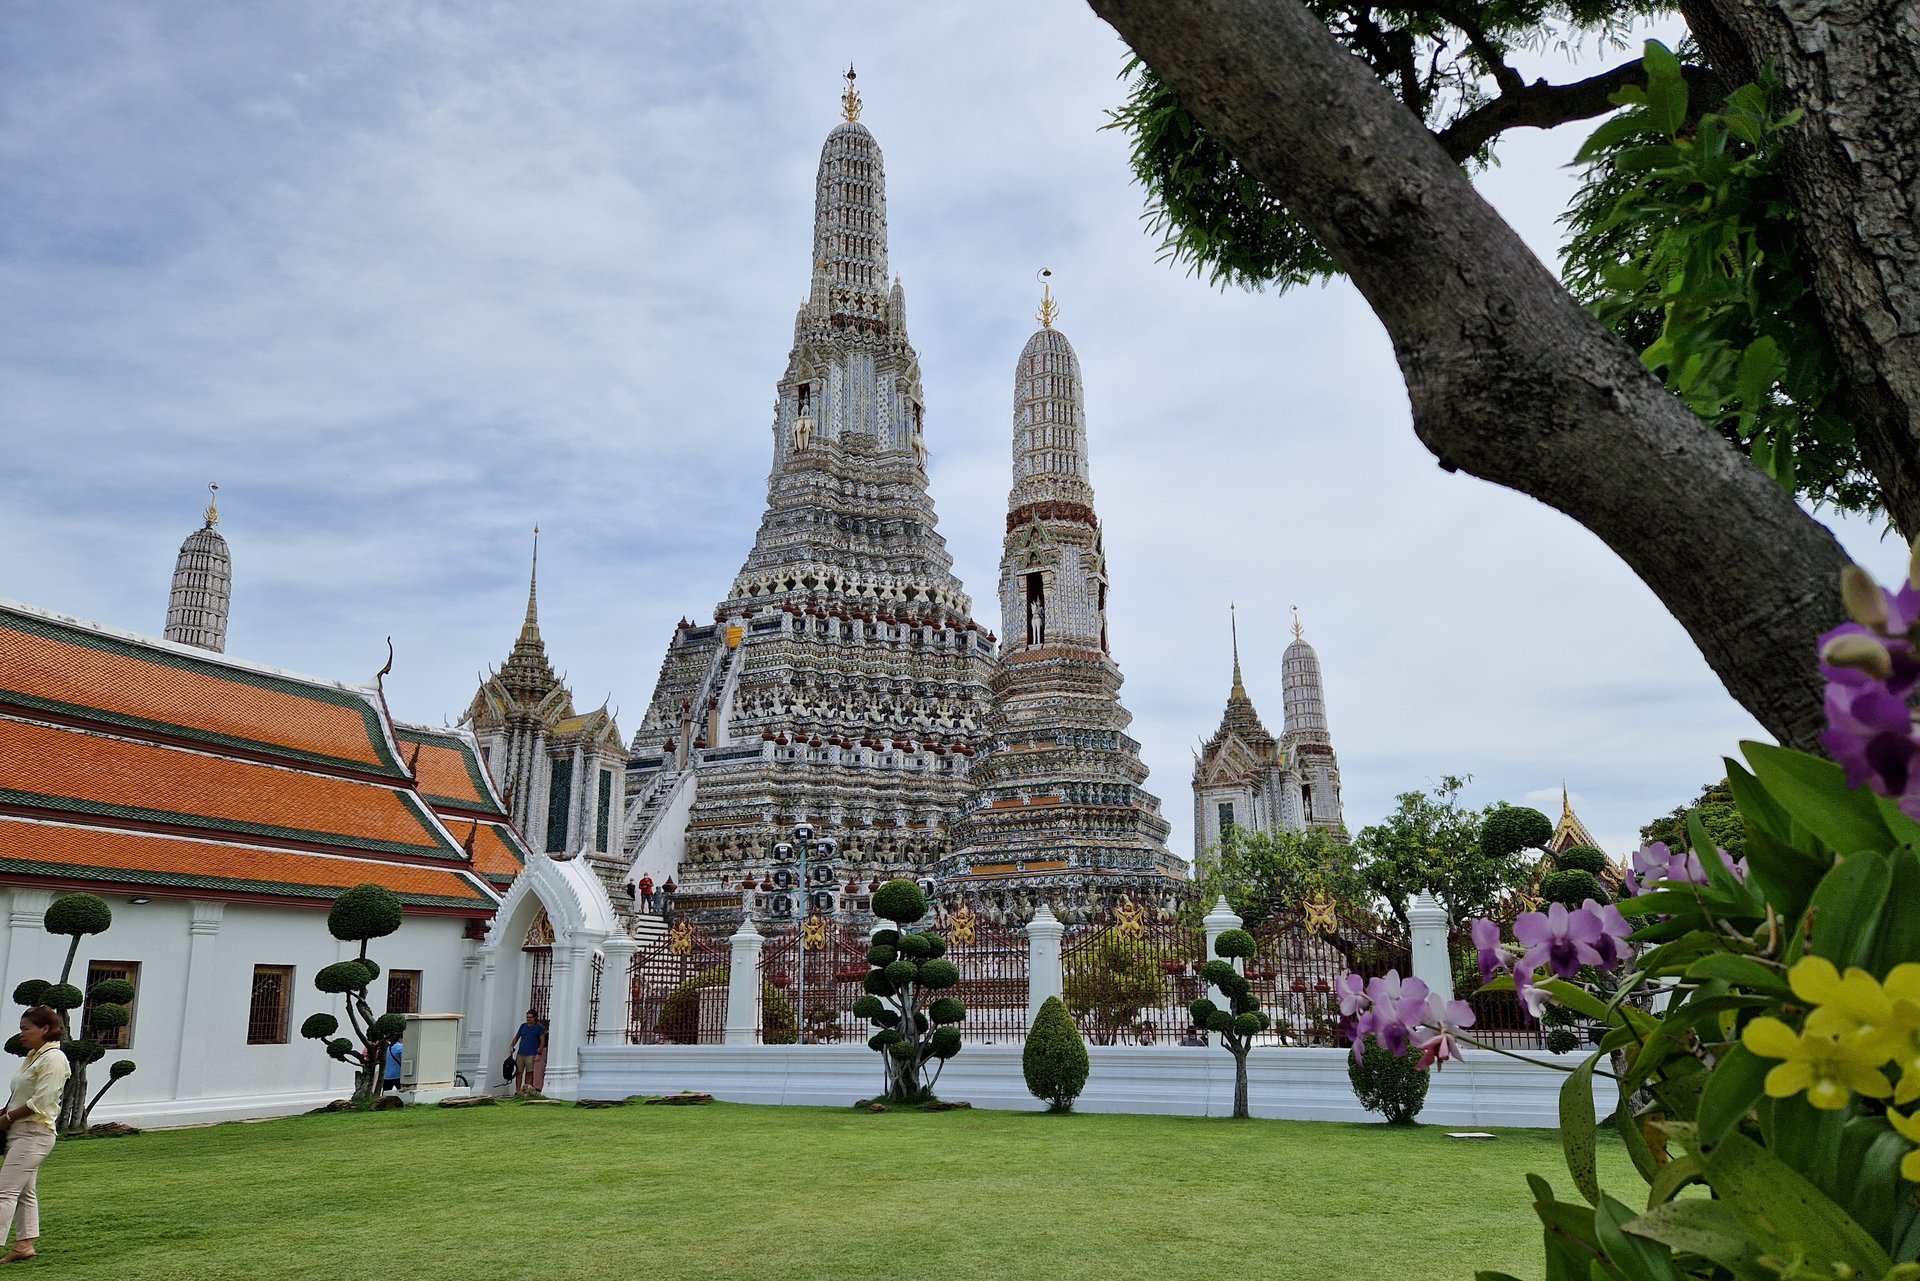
pixel 1304 704
pixel 526 674
pixel 202 585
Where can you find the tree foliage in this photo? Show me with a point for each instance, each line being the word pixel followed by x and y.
pixel 1433 843
pixel 1242 1019
pixel 1261 872
pixel 1393 1085
pixel 1718 815
pixel 77 916
pixel 360 914
pixel 1111 982
pixel 1508 829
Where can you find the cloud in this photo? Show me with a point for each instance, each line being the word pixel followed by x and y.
pixel 408 279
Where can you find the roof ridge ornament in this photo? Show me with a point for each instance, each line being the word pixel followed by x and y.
pixel 850 100
pixel 1049 309
pixel 213 504
pixel 1296 622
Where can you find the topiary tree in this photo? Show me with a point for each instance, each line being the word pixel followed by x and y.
pixel 1243 1020
pixel 1581 858
pixel 1572 886
pixel 1508 829
pixel 78 915
pixel 1054 1060
pixel 1395 1086
pixel 915 1030
pixel 359 915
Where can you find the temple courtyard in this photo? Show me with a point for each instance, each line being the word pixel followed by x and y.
pixel 728 1191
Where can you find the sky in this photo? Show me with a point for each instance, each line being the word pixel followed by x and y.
pixel 407 279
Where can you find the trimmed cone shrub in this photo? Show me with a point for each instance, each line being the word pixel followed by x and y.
pixel 901 901
pixel 1394 1086
pixel 1581 858
pixel 366 911
pixel 1054 1061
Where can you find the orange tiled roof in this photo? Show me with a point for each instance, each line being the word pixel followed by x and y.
pixel 96 853
pixel 498 854
pixel 52 666
pixel 64 770
pixel 448 771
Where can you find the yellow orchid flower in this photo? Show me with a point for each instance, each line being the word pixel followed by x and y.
pixel 1901 1035
pixel 1829 1063
pixel 1856 995
pixel 1909 1128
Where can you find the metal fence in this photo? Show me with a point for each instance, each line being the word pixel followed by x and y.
pixel 1302 953
pixel 994 964
pixel 1130 976
pixel 836 971
pixel 677 990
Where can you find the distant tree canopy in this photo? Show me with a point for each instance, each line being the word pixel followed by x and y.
pixel 1717 814
pixel 1261 871
pixel 1434 843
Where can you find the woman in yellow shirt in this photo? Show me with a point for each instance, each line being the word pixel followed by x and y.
pixel 33 1109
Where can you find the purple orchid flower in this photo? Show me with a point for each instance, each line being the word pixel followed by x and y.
pixel 1438 1038
pixel 1399 1007
pixel 1533 998
pixel 1611 945
pixel 1561 940
pixel 1352 990
pixel 1486 940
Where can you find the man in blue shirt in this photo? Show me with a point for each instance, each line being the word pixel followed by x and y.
pixel 528 1041
pixel 392 1079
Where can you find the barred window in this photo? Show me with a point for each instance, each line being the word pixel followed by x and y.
pixel 1226 818
pixel 403 991
pixel 604 810
pixel 111 1038
pixel 272 994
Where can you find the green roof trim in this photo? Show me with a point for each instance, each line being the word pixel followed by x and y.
pixel 183 880
pixel 135 813
pixel 388 764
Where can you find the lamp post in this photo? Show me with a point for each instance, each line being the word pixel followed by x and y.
pixel 810 879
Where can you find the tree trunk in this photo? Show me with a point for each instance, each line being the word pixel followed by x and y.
pixel 1510 379
pixel 1853 167
pixel 1240 1085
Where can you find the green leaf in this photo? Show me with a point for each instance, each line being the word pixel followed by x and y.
pixel 1736 1084
pixel 1757 808
pixel 1706 1228
pixel 1847 906
pixel 1677 1174
pixel 1787 875
pixel 1770 1197
pixel 1636 1257
pixel 1896 936
pixel 1666 88
pixel 1815 793
pixel 1576 1128
pixel 1742 970
pixel 1633 1137
pixel 1870 1153
pixel 1577 999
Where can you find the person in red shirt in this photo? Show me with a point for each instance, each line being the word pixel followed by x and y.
pixel 646 893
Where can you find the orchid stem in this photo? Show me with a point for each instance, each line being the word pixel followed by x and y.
pixel 1482 1045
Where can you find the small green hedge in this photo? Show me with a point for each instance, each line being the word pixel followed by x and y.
pixel 1054 1061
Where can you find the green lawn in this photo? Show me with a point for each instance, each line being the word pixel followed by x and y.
pixel 665 1193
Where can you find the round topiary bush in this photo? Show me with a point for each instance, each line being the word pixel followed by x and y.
pixel 371 966
pixel 30 992
pixel 900 973
pixel 947 1010
pixel 1387 1083
pixel 900 901
pixel 112 991
pixel 882 955
pixel 877 983
pixel 886 938
pixel 388 1027
pixel 1054 1061
pixel 341 977
pixel 63 996
pixel 1513 828
pixel 77 914
pixel 867 1007
pixel 120 1068
pixel 81 1053
pixel 945 1043
pixel 108 1015
pixel 1571 888
pixel 1235 945
pixel 16 1047
pixel 917 947
pixel 366 911
pixel 339 1048
pixel 938 974
pixel 1562 1040
pixel 1581 858
pixel 936 946
pixel 319 1027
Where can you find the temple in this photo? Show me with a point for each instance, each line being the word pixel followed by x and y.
pixel 842 679
pixel 1059 812
pixel 1244 778
pixel 202 585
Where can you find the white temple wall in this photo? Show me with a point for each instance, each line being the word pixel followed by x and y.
pixel 194 994
pixel 666 845
pixel 1289 1084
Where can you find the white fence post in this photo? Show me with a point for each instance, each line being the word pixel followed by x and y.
pixel 1044 977
pixel 1221 919
pixel 1432 961
pixel 743 985
pixel 616 987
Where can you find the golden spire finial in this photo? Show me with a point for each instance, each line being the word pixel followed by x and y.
pixel 1296 621
pixel 1566 802
pixel 213 504
pixel 1233 622
pixel 850 100
pixel 1049 309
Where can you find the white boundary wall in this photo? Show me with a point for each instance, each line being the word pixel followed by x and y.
pixel 1481 1091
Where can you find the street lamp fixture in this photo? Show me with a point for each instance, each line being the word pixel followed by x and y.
pixel 810 874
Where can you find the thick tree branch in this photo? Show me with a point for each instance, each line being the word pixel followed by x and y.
pixel 1509 378
pixel 1853 167
pixel 1542 106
